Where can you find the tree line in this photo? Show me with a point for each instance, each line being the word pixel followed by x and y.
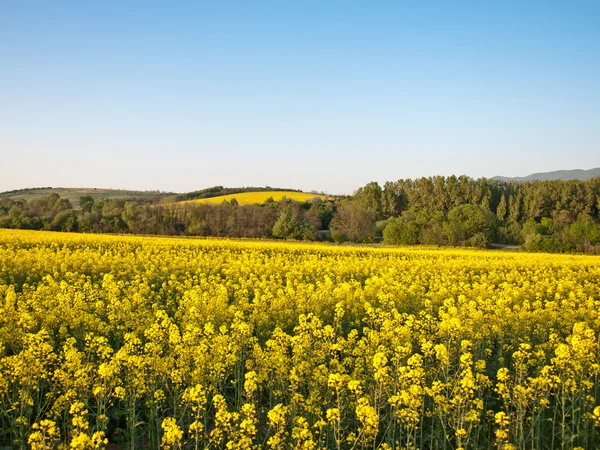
pixel 556 216
pixel 285 219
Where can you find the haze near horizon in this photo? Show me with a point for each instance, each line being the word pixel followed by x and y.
pixel 311 96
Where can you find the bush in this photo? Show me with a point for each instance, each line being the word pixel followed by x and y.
pixel 480 240
pixel 582 233
pixel 401 231
pixel 541 243
pixel 466 221
pixel 288 226
pixel 433 234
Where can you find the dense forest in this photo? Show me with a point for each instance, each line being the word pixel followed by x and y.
pixel 555 216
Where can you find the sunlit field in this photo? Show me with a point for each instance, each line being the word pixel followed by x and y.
pixel 139 342
pixel 245 198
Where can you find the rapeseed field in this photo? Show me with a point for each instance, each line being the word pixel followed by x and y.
pixel 135 342
pixel 245 198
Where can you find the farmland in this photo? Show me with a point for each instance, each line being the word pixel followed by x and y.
pixel 73 195
pixel 548 216
pixel 246 198
pixel 185 343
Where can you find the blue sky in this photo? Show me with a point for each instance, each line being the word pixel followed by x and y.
pixel 179 96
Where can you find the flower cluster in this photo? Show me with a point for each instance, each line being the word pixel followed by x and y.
pixel 193 344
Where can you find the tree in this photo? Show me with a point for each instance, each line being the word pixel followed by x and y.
pixel 514 207
pixel 541 236
pixel 502 209
pixel 285 226
pixel 65 220
pixel 353 222
pixel 433 229
pixel 290 226
pixel 402 230
pixel 390 202
pixel 582 234
pixel 467 221
pixel 369 197
pixel 314 213
pixel 86 203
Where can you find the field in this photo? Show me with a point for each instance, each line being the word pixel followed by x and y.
pixel 136 342
pixel 244 198
pixel 73 194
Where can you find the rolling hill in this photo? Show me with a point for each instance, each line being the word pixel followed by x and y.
pixel 214 195
pixel 73 194
pixel 577 174
pixel 244 198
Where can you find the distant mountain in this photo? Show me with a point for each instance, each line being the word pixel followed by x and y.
pixel 576 174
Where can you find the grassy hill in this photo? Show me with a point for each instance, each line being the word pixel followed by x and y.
pixel 244 198
pixel 73 194
pixel 213 197
pixel 564 175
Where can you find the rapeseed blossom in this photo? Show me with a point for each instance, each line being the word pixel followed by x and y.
pixel 196 344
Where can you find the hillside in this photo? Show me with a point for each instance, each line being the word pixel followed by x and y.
pixel 577 174
pixel 73 194
pixel 213 195
pixel 244 198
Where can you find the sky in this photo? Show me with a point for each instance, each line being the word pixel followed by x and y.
pixel 311 95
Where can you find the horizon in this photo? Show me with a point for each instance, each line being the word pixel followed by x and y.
pixel 325 97
pixel 279 187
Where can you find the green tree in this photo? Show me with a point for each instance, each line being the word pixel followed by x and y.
pixel 290 226
pixel 402 230
pixel 315 213
pixel 86 203
pixel 502 209
pixel 65 220
pixel 391 202
pixel 467 221
pixel 582 234
pixel 369 197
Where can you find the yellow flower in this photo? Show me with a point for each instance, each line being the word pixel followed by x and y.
pixel 172 434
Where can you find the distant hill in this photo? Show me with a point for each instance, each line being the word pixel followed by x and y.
pixel 215 195
pixel 73 194
pixel 576 174
pixel 220 191
pixel 244 198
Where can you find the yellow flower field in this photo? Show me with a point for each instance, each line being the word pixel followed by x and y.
pixel 245 198
pixel 179 343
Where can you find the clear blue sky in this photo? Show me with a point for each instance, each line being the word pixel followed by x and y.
pixel 323 95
